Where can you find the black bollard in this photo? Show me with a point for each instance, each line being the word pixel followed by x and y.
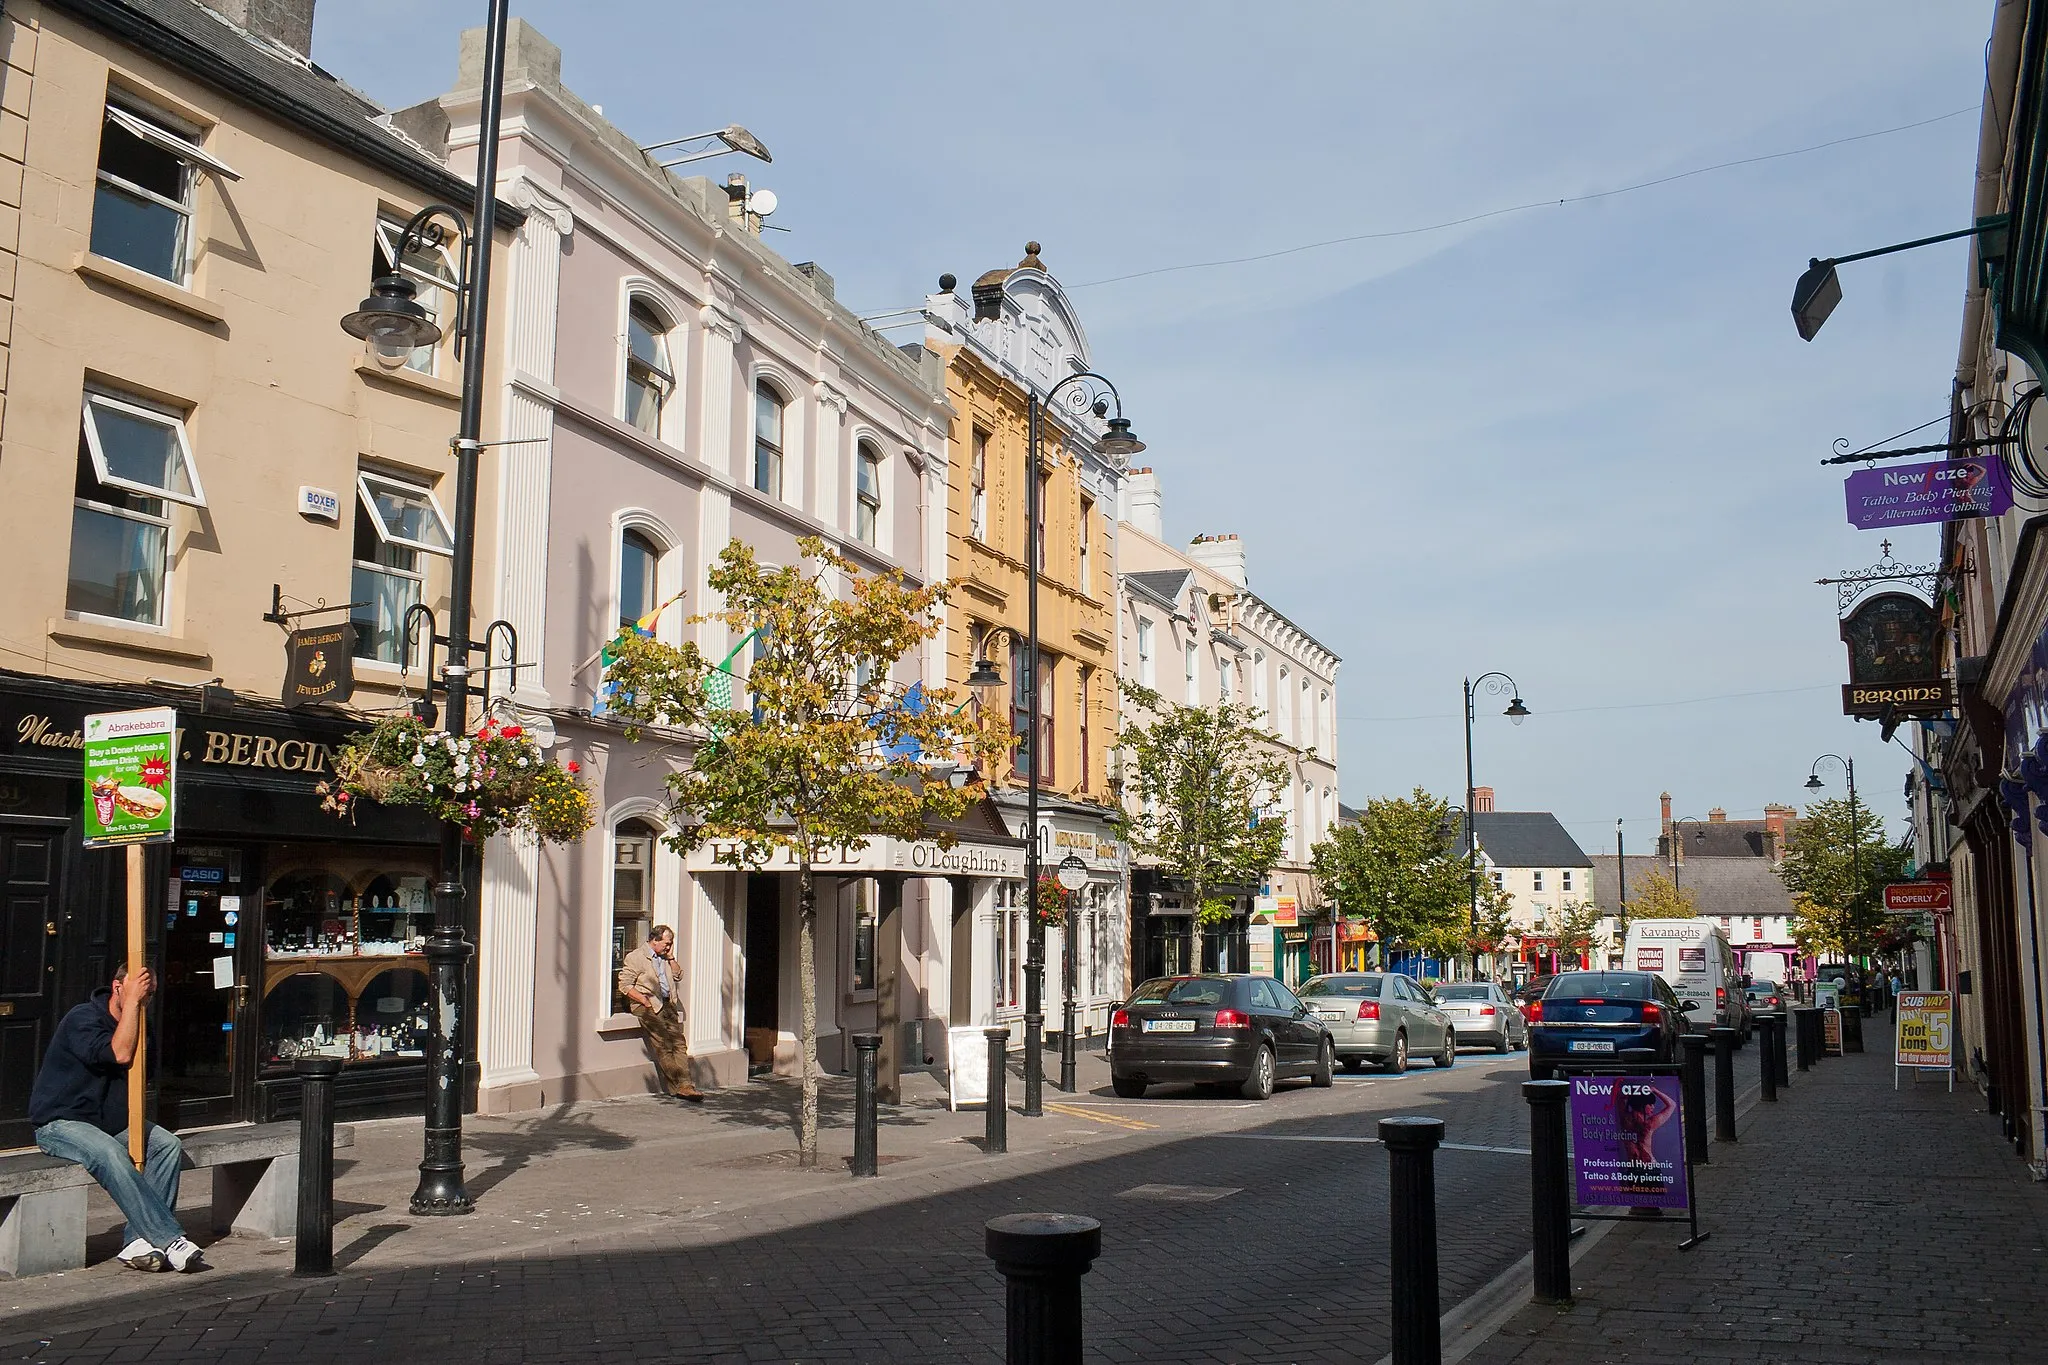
pixel 1767 1054
pixel 314 1253
pixel 1692 1089
pixel 1043 1257
pixel 1852 1030
pixel 1411 1145
pixel 1550 1192
pixel 1638 1056
pixel 1779 1049
pixel 866 1046
pixel 1802 1038
pixel 1724 1040
pixel 995 1132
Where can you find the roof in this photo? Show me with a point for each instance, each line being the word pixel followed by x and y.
pixel 1348 815
pixel 1733 887
pixel 186 35
pixel 1165 587
pixel 1724 838
pixel 1523 838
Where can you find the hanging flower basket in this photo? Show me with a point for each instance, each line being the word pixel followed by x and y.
pixel 1054 901
pixel 490 782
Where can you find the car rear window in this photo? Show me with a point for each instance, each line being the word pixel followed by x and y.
pixel 1602 986
pixel 1183 990
pixel 1356 987
pixel 1464 992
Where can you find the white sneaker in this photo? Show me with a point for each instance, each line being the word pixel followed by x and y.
pixel 140 1255
pixel 184 1256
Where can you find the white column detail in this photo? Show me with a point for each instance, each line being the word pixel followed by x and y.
pixel 831 459
pixel 505 980
pixel 715 444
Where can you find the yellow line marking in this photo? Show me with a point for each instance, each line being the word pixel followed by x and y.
pixel 1116 1120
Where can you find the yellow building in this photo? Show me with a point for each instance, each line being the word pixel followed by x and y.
pixel 1019 336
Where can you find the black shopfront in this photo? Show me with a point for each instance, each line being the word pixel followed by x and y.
pixel 1166 939
pixel 276 929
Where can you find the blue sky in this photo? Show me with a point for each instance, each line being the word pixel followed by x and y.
pixel 1577 443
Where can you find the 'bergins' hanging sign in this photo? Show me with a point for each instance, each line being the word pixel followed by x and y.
pixel 1894 661
pixel 1940 490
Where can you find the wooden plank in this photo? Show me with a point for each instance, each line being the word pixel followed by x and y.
pixel 138 1127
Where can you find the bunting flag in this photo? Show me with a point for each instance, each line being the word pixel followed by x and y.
pixel 896 744
pixel 718 693
pixel 645 625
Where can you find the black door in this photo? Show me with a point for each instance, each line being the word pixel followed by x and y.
pixel 763 948
pixel 29 861
pixel 202 1072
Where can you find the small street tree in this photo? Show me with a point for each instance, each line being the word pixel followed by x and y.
pixel 818 751
pixel 1658 897
pixel 1496 931
pixel 1398 867
pixel 1836 869
pixel 1196 790
pixel 1572 927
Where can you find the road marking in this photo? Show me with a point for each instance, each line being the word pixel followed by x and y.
pixel 1371 1141
pixel 1119 1120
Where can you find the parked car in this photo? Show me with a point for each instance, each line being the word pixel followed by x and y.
pixel 1588 1017
pixel 1382 1018
pixel 1217 1030
pixel 1529 992
pixel 1483 1015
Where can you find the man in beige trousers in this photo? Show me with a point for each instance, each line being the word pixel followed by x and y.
pixel 647 978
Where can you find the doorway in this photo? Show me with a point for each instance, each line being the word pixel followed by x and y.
pixel 31 863
pixel 203 1071
pixel 761 1017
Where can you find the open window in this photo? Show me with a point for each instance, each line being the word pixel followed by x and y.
pixel 868 512
pixel 132 460
pixel 650 378
pixel 140 449
pixel 431 269
pixel 405 514
pixel 396 522
pixel 143 190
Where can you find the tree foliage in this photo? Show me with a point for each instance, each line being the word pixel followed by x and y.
pixel 818 750
pixel 1399 867
pixel 1573 927
pixel 1659 897
pixel 1197 787
pixel 1836 866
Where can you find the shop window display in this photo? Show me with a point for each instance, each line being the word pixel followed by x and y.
pixel 344 956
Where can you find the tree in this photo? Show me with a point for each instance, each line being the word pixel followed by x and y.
pixel 1837 868
pixel 1496 928
pixel 1658 897
pixel 1571 927
pixel 1398 867
pixel 1197 786
pixel 825 752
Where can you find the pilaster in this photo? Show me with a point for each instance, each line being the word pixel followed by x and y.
pixel 722 334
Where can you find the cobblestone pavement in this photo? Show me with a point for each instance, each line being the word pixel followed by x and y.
pixel 634 1231
pixel 1851 1223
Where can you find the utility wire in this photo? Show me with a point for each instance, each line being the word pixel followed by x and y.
pixel 1618 706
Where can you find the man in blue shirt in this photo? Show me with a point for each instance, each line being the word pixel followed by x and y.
pixel 80 1111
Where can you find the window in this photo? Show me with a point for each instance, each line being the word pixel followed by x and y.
pixel 865 916
pixel 867 513
pixel 1259 683
pixel 649 377
pixel 142 196
pixel 1030 745
pixel 432 274
pixel 1499 879
pixel 632 897
pixel 1087 681
pixel 132 460
pixel 1147 672
pixel 1536 881
pixel 1087 530
pixel 396 522
pixel 1194 689
pixel 1308 713
pixel 1567 875
pixel 638 560
pixel 768 406
pixel 1226 682
pixel 1283 723
pixel 977 512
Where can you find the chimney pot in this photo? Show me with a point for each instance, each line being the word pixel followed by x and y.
pixel 1717 816
pixel 1482 800
pixel 288 23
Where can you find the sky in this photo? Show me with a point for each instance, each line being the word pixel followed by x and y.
pixel 1577 443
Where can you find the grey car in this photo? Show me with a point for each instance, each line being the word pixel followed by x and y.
pixel 1483 1015
pixel 1382 1018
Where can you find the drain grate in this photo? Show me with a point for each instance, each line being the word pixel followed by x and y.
pixel 1181 1194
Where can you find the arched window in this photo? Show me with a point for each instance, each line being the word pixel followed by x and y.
pixel 638 559
pixel 632 908
pixel 768 406
pixel 649 378
pixel 868 513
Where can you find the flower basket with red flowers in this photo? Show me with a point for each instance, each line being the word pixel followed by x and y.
pixel 490 782
pixel 1054 901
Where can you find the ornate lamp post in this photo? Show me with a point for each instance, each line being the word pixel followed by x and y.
pixel 1120 443
pixel 1814 784
pixel 390 319
pixel 1699 835
pixel 1495 683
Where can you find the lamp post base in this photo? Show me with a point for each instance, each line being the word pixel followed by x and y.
pixel 1067 1062
pixel 1034 1066
pixel 441 1192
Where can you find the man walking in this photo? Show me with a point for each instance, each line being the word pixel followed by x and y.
pixel 647 978
pixel 79 1107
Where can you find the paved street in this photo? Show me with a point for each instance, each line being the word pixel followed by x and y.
pixel 632 1231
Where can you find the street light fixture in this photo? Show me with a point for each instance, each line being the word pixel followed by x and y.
pixel 1699 835
pixel 390 318
pixel 1517 712
pixel 1818 290
pixel 735 138
pixel 1814 784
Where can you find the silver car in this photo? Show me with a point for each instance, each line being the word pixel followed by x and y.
pixel 1382 1018
pixel 1483 1015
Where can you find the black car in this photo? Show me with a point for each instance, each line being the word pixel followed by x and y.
pixel 1592 1017
pixel 1219 1030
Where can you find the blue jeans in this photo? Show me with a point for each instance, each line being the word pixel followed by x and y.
pixel 149 1196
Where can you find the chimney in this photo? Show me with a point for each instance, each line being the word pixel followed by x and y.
pixel 1142 506
pixel 1223 555
pixel 1717 816
pixel 736 204
pixel 1776 820
pixel 1482 800
pixel 288 23
pixel 529 56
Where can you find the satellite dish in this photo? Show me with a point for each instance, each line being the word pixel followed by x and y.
pixel 761 203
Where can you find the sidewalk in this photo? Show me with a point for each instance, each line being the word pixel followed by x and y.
pixel 1850 1224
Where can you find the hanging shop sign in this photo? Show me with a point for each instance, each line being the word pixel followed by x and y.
pixel 131 767
pixel 1940 490
pixel 1894 661
pixel 1917 897
pixel 320 665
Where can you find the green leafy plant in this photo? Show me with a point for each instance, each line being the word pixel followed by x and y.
pixel 1836 865
pixel 492 781
pixel 1399 868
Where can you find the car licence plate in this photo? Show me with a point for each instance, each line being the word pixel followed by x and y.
pixel 1169 1026
pixel 1333 1015
pixel 1592 1045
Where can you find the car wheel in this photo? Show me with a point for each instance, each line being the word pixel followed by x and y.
pixel 1128 1087
pixel 1353 1065
pixel 1506 1043
pixel 1448 1058
pixel 1398 1063
pixel 1259 1085
pixel 1325 1074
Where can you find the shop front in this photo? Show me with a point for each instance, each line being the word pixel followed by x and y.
pixel 277 930
pixel 1097 917
pixel 1167 937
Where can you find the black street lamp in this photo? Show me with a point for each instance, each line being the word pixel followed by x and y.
pixel 1119 443
pixel 1818 289
pixel 1677 860
pixel 1814 784
pixel 390 319
pixel 1495 683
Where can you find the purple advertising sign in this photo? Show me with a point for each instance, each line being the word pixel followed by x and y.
pixel 1628 1146
pixel 1941 490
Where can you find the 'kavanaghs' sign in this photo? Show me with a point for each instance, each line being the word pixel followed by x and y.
pixel 1941 490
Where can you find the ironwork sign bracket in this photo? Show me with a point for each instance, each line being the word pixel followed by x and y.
pixel 278 616
pixel 1928 578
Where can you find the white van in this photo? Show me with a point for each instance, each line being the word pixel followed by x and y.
pixel 1693 957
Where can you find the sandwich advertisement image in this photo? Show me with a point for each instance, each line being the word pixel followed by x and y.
pixel 131 767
